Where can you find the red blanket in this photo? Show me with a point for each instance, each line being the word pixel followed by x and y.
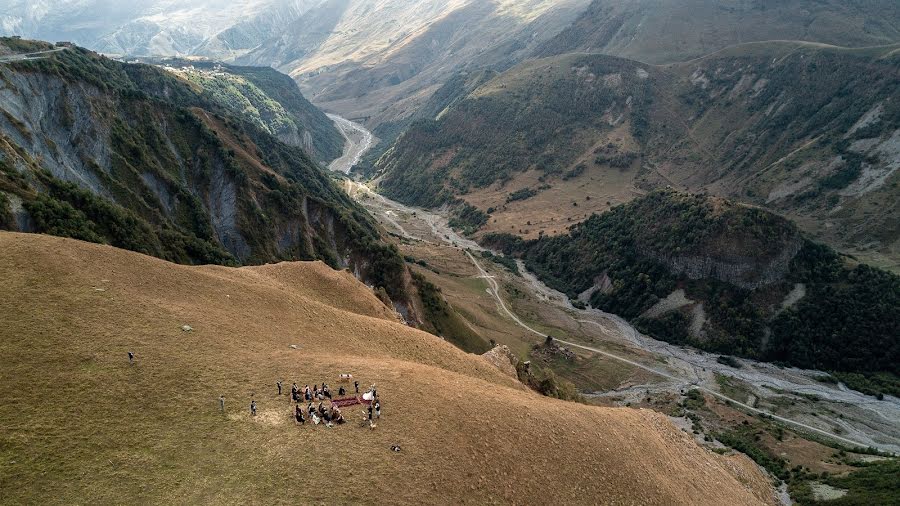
pixel 349 401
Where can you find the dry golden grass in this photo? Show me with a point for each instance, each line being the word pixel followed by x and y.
pixel 81 425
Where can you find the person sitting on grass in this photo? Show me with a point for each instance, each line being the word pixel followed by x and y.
pixel 298 415
pixel 336 416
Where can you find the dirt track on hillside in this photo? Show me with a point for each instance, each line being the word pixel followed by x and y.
pixel 864 420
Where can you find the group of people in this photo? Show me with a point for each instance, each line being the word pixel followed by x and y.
pixel 326 412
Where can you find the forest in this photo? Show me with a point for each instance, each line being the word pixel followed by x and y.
pixel 847 322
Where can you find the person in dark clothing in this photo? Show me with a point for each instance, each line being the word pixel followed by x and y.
pixel 342 392
pixel 131 358
pixel 356 386
pixel 252 407
pixel 298 415
pixel 321 409
pixel 326 392
pixel 278 384
pixel 370 413
pixel 336 416
pixel 294 392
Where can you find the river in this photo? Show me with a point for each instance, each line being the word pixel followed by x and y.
pixel 862 420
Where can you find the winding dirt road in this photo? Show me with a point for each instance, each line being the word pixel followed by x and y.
pixel 30 56
pixel 864 420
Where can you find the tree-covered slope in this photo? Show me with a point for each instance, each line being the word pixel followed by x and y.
pixel 541 114
pixel 268 99
pixel 727 278
pixel 811 131
pixel 133 156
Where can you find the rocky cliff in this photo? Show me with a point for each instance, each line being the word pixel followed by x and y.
pixel 136 157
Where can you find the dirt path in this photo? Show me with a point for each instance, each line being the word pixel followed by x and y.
pixel 875 421
pixel 30 56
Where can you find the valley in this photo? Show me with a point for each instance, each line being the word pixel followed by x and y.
pixel 588 251
pixel 863 420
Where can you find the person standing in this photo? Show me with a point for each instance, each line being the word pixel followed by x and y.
pixel 130 358
pixel 222 403
pixel 377 405
pixel 278 384
pixel 356 386
pixel 252 407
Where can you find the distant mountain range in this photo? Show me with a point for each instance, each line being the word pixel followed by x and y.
pixel 216 28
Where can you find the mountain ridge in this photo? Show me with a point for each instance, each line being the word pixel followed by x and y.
pixel 189 450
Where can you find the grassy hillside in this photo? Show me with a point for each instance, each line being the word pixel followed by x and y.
pixel 268 99
pixel 664 32
pixel 808 130
pixel 725 278
pixel 541 114
pixel 133 156
pixel 153 432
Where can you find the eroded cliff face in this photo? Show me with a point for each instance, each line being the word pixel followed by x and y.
pixel 743 269
pixel 55 122
pixel 130 155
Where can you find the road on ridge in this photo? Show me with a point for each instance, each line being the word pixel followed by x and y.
pixel 701 366
pixel 30 56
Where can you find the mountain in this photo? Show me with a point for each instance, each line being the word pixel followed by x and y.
pixel 153 431
pixel 140 158
pixel 213 28
pixel 804 129
pixel 666 32
pixel 380 60
pixel 268 99
pixel 726 278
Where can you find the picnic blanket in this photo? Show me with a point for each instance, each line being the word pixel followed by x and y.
pixel 348 401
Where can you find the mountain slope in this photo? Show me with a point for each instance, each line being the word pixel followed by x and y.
pixel 381 60
pixel 726 278
pixel 135 157
pixel 805 129
pixel 268 99
pixel 663 32
pixel 213 28
pixel 152 432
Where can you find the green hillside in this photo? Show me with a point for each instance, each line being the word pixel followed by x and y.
pixel 135 157
pixel 541 114
pixel 268 99
pixel 750 284
pixel 808 130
